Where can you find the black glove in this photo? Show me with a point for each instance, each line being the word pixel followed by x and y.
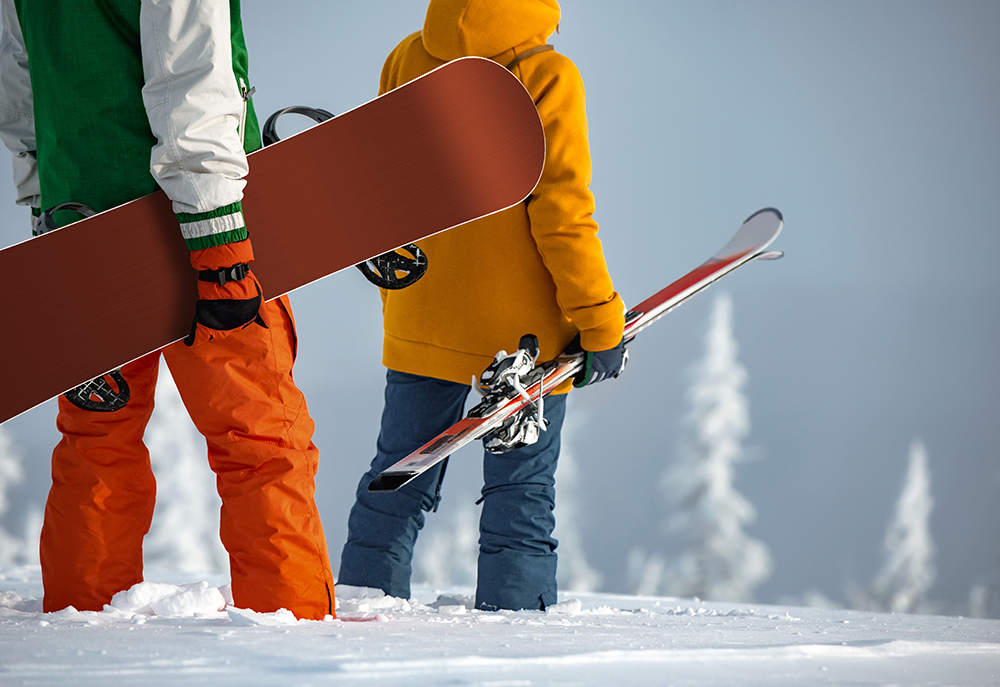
pixel 600 365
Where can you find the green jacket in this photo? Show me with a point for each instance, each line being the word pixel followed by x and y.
pixel 104 101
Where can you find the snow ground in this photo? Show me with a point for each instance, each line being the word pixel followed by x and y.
pixel 436 639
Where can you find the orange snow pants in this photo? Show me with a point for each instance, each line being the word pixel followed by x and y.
pixel 241 397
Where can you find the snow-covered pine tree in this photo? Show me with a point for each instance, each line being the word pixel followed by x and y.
pixel 720 561
pixel 184 534
pixel 11 473
pixel 908 572
pixel 645 572
pixel 574 573
pixel 32 533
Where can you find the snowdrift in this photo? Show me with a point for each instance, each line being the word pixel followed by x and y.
pixel 166 634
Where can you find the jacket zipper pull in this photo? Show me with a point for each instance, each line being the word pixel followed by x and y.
pixel 245 93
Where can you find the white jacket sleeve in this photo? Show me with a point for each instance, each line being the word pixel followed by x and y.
pixel 17 123
pixel 195 111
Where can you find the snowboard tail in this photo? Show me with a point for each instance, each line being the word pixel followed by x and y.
pixel 459 143
pixel 749 243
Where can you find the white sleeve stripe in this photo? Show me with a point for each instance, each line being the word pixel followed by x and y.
pixel 214 225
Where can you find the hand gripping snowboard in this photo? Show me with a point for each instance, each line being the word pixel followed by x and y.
pixel 499 416
pixel 456 144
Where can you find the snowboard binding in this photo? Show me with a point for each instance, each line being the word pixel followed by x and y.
pixel 103 394
pixel 47 222
pixel 506 377
pixel 393 270
pixel 269 133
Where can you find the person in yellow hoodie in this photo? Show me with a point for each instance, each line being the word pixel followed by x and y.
pixel 535 268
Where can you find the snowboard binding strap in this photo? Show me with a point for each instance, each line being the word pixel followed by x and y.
pixel 47 222
pixel 269 134
pixel 104 394
pixel 395 270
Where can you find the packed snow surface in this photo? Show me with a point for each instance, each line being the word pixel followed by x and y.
pixel 160 633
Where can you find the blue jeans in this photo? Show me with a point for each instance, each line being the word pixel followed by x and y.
pixel 517 558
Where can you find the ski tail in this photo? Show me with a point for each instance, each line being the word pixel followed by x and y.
pixel 391 481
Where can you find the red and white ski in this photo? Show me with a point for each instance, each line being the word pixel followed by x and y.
pixel 749 243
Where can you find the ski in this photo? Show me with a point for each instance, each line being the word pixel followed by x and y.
pixel 512 410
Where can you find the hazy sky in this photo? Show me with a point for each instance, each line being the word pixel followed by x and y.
pixel 871 124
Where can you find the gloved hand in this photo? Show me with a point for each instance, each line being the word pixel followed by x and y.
pixel 229 295
pixel 601 365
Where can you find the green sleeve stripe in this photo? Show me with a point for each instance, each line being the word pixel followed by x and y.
pixel 212 240
pixel 189 217
pixel 201 227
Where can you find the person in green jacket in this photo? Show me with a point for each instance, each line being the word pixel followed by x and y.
pixel 102 102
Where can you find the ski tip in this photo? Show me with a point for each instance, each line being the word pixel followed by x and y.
pixel 773 211
pixel 386 483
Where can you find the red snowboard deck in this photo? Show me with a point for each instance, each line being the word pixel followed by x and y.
pixel 459 143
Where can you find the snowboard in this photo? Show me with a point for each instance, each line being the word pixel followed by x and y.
pixel 503 407
pixel 458 143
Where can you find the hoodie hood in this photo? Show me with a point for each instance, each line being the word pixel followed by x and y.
pixel 486 28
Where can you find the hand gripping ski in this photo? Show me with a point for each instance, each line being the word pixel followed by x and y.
pixel 510 413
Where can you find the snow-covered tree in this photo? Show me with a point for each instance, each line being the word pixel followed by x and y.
pixel 573 573
pixel 32 533
pixel 185 530
pixel 447 557
pixel 983 601
pixel 11 474
pixel 719 560
pixel 645 572
pixel 908 572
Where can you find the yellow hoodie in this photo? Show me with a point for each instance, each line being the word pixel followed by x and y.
pixel 537 268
